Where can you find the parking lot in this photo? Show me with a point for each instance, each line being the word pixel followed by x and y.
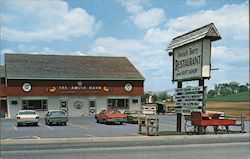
pixel 81 127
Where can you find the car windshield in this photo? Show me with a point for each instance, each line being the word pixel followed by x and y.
pixel 112 112
pixel 27 113
pixel 59 113
pixel 133 112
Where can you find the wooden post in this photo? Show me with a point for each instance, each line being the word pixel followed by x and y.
pixel 242 124
pixel 157 127
pixel 178 124
pixel 139 124
pixel 201 83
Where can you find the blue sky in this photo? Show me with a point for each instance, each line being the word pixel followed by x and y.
pixel 138 29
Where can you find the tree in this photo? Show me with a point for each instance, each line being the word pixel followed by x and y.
pixel 224 91
pixel 162 96
pixel 234 86
pixel 155 97
pixel 211 93
pixel 217 89
pixel 243 88
pixel 145 97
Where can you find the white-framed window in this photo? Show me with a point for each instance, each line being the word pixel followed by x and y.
pixel 118 103
pixel 35 104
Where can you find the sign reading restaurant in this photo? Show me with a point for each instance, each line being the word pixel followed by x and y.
pixel 192 61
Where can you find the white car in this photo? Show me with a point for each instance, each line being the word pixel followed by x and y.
pixel 27 117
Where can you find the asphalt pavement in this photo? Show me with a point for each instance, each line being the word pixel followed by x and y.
pixel 193 151
pixel 84 127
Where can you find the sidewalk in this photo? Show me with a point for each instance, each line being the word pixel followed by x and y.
pixel 129 141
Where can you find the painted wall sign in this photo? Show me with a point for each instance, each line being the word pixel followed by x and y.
pixel 128 87
pixel 192 61
pixel 78 104
pixel 27 87
pixel 52 89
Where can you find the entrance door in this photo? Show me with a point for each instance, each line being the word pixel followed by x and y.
pixel 92 107
pixel 3 108
pixel 64 106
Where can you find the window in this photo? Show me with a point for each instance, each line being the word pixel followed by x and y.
pixel 118 103
pixel 2 80
pixel 34 105
pixel 14 102
pixel 135 100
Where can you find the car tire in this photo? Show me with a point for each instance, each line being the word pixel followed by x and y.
pixel 19 124
pixel 97 121
pixel 50 123
pixel 64 123
pixel 121 123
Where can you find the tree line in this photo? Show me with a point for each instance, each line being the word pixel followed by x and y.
pixel 225 89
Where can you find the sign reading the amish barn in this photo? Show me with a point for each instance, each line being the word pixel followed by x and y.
pixel 192 61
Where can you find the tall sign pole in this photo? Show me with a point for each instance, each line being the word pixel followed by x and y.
pixel 192 61
pixel 178 119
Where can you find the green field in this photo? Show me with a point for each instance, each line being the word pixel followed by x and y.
pixel 239 97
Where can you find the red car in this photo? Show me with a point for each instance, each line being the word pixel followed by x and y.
pixel 110 116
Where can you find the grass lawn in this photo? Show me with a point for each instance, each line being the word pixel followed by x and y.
pixel 239 97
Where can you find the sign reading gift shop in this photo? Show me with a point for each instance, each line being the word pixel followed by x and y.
pixel 192 61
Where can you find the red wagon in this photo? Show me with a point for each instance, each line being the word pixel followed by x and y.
pixel 202 120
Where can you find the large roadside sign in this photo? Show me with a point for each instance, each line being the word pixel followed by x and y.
pixel 192 61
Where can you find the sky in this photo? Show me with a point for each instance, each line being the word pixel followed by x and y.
pixel 140 30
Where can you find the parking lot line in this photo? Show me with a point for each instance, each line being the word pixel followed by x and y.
pixel 36 137
pixel 79 126
pixel 90 135
pixel 14 127
pixel 49 127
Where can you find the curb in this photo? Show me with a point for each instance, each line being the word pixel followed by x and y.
pixel 124 139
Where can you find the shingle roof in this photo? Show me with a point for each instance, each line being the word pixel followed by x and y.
pixel 208 31
pixel 33 66
pixel 2 71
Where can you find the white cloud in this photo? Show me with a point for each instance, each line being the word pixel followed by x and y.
pixel 160 36
pixel 150 59
pixel 195 2
pixel 232 20
pixel 150 18
pixel 223 53
pixel 26 20
pixel 144 18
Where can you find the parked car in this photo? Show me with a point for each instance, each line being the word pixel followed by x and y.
pixel 132 115
pixel 27 117
pixel 110 116
pixel 56 117
pixel 149 109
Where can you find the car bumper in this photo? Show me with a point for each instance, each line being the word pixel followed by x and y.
pixel 58 120
pixel 117 120
pixel 27 121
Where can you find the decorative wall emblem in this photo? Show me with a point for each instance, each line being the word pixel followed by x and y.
pixel 128 87
pixel 78 104
pixel 27 87
pixel 52 89
pixel 106 88
pixel 79 83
